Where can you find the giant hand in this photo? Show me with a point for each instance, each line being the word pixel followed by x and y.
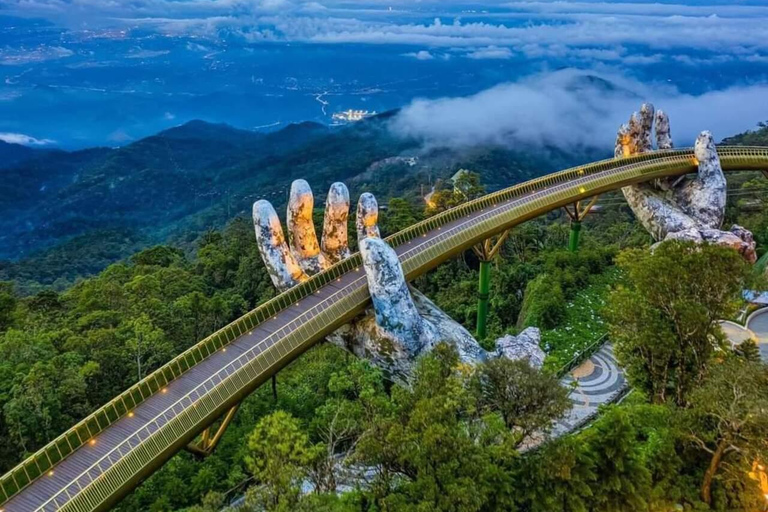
pixel 403 323
pixel 683 208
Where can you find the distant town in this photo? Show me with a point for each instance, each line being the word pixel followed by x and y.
pixel 352 116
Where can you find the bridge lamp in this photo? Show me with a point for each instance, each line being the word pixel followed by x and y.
pixel 130 414
pixel 165 390
pixel 50 473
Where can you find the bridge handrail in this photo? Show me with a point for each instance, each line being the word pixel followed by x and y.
pixel 582 355
pixel 47 457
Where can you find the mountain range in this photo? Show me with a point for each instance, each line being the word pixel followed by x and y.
pixel 175 185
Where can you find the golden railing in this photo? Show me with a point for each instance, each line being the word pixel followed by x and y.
pixel 199 408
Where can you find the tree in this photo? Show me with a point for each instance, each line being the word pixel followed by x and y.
pixel 433 448
pixel 400 215
pixel 8 303
pixel 665 322
pixel 729 419
pixel 148 346
pixel 527 398
pixel 278 455
pixel 466 187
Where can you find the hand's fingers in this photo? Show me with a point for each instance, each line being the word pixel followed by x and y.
pixel 367 217
pixel 396 314
pixel 623 143
pixel 281 265
pixel 647 112
pixel 301 228
pixel 335 242
pixel 663 131
pixel 704 197
pixel 635 134
pixel 706 154
pixel 656 213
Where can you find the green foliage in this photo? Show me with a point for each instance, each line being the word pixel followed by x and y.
pixel 729 420
pixel 400 215
pixel 526 398
pixel 665 322
pixel 582 324
pixel 61 355
pixel 563 274
pixel 757 137
pixel 278 453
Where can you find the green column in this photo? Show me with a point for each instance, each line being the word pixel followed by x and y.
pixel 573 244
pixel 483 292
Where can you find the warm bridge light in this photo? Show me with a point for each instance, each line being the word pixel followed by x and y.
pixel 165 390
pixel 50 473
pixel 130 414
pixel 92 442
pixel 695 161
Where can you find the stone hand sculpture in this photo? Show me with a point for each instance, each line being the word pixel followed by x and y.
pixel 682 208
pixel 402 323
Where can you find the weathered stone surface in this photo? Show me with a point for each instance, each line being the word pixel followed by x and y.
pixel 681 209
pixel 280 262
pixel 301 228
pixel 525 345
pixel 402 323
pixel 335 242
pixel 663 131
pixel 367 217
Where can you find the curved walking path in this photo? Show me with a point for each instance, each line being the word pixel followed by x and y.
pixel 756 328
pixel 597 381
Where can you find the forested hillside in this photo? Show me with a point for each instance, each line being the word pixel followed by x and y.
pixel 176 185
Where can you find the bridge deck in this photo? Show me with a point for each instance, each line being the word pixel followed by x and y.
pixel 96 474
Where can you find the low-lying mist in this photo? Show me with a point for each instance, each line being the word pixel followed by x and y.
pixel 574 109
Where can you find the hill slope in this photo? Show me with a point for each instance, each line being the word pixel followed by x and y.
pixel 186 180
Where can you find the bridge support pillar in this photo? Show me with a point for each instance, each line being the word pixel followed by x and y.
pixel 573 241
pixel 485 252
pixel 483 294
pixel 576 216
pixel 208 444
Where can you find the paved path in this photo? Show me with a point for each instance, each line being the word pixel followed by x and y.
pixel 598 381
pixel 756 329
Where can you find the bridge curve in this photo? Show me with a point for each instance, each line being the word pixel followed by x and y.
pixel 95 463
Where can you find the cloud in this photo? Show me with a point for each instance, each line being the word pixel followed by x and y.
pixel 572 108
pixel 20 56
pixel 491 52
pixel 24 140
pixel 146 54
pixel 420 55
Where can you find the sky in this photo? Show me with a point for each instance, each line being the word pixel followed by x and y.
pixel 85 72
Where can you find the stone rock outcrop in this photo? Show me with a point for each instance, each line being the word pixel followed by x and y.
pixel 686 208
pixel 525 345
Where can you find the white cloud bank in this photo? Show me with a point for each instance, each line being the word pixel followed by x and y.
pixel 573 108
pixel 24 140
